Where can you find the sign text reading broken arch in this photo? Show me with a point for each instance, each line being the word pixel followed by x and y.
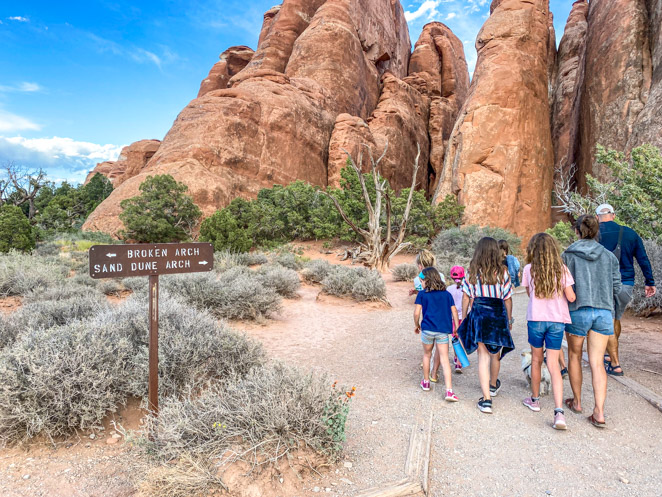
pixel 117 261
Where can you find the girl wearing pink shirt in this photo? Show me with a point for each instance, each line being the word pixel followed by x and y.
pixel 549 286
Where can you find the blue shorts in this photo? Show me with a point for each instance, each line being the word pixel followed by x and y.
pixel 546 332
pixel 589 318
pixel 433 337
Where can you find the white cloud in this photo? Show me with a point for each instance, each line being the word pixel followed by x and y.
pixel 19 19
pixel 58 148
pixel 25 86
pixel 428 7
pixel 10 123
pixel 132 52
pixel 61 158
pixel 450 16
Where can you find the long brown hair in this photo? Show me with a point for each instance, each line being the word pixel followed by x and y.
pixel 487 263
pixel 547 268
pixel 433 280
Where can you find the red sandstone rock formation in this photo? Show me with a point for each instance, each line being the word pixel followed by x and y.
pixel 131 161
pixel 316 59
pixel 438 69
pixel 617 77
pixel 350 134
pixel 567 89
pixel 233 60
pixel 500 157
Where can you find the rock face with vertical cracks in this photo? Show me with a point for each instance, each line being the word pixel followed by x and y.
pixel 438 69
pixel 617 78
pixel 131 161
pixel 567 89
pixel 500 157
pixel 272 124
pixel 233 60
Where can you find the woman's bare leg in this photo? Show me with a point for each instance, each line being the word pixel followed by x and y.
pixel 575 345
pixel 484 370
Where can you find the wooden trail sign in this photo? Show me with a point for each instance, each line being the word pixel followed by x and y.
pixel 152 259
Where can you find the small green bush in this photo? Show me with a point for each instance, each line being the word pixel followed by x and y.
pixel 405 272
pixel 316 270
pixel 288 260
pixel 163 212
pixel 564 233
pixel 15 230
pixel 283 280
pixel 223 231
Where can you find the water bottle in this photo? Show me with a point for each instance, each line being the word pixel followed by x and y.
pixel 460 353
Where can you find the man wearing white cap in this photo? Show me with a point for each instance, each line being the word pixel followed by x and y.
pixel 626 245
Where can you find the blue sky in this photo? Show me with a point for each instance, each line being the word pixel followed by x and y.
pixel 81 79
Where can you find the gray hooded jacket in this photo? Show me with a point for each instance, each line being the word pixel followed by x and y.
pixel 596 273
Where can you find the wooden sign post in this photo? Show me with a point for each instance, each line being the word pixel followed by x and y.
pixel 121 261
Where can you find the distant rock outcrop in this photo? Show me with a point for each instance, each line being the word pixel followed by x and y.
pixel 500 156
pixel 233 60
pixel 132 160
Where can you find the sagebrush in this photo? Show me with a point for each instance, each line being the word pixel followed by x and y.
pixel 359 283
pixel 405 272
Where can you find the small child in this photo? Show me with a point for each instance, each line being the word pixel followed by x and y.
pixel 457 274
pixel 440 318
pixel 549 286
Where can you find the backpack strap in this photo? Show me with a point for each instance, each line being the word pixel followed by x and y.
pixel 617 250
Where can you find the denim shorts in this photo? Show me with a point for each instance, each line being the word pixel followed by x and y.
pixel 546 332
pixel 433 337
pixel 590 318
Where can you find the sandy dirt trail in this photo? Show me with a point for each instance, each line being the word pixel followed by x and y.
pixel 513 452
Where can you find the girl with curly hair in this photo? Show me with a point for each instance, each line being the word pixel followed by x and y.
pixel 549 286
pixel 487 307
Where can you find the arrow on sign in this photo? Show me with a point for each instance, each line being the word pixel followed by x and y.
pixel 111 255
pixel 203 262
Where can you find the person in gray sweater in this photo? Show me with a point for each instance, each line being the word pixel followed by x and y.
pixel 597 282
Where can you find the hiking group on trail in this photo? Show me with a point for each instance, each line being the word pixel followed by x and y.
pixel 580 293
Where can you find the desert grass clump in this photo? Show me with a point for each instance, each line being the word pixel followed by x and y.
pixel 258 418
pixel 110 287
pixel 359 283
pixel 288 260
pixel 316 270
pixel 136 283
pixel 68 289
pixel 46 249
pixel 405 272
pixel 226 259
pixel 22 273
pixel 640 304
pixel 284 281
pixel 62 378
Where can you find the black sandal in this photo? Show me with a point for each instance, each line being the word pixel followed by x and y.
pixel 612 370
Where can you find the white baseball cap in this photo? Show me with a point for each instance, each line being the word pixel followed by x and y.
pixel 604 209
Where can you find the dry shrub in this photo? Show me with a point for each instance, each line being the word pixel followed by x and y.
pixel 66 290
pixel 642 305
pixel 284 281
pixel 258 418
pixel 22 273
pixel 62 378
pixel 186 477
pixel 405 272
pixel 193 347
pixel 316 270
pixel 225 259
pixel 110 287
pixel 360 283
pixel 136 283
pixel 288 260
pixel 84 280
pixel 236 294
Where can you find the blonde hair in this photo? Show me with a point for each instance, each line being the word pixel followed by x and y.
pixel 486 263
pixel 547 269
pixel 425 258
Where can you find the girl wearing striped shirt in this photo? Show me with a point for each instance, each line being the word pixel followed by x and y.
pixel 487 305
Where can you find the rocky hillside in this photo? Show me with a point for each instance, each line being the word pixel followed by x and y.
pixel 329 75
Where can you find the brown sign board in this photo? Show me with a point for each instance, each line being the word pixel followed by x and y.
pixel 150 259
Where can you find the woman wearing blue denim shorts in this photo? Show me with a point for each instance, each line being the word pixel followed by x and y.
pixel 597 281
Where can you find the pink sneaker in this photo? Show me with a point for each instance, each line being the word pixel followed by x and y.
pixel 451 397
pixel 534 405
pixel 458 366
pixel 425 385
pixel 559 421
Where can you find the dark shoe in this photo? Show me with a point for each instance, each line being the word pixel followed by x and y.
pixel 485 405
pixel 495 390
pixel 564 373
pixel 611 369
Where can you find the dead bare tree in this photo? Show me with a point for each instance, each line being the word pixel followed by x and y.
pixel 21 186
pixel 572 202
pixel 379 241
